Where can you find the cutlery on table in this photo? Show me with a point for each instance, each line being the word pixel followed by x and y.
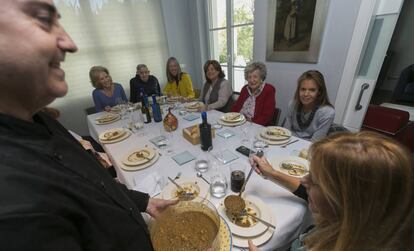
pixel 245 213
pixel 200 175
pixel 258 154
pixel 285 145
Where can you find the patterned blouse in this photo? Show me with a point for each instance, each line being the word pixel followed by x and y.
pixel 250 103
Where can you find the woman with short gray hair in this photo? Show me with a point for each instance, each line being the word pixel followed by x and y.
pixel 257 99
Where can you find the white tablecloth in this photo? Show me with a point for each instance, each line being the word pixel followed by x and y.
pixel 291 212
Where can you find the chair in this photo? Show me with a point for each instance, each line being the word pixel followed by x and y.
pixel 404 92
pixel 335 128
pixel 276 116
pixel 90 110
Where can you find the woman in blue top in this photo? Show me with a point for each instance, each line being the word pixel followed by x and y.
pixel 106 93
pixel 360 190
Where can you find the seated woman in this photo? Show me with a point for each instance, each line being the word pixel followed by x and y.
pixel 257 99
pixel 143 80
pixel 106 93
pixel 217 91
pixel 310 114
pixel 360 191
pixel 179 83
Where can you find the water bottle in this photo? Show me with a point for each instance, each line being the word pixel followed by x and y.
pixel 205 133
pixel 156 111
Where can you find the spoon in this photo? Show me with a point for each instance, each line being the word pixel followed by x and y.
pixel 184 195
pixel 200 175
pixel 260 154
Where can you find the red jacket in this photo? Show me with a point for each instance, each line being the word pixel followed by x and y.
pixel 264 107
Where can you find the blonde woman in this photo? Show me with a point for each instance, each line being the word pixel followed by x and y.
pixel 106 93
pixel 360 190
pixel 179 83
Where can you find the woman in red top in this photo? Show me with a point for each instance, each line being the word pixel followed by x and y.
pixel 257 99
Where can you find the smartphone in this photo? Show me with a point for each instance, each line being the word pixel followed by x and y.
pixel 244 150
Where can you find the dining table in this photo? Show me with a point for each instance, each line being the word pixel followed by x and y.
pixel 291 213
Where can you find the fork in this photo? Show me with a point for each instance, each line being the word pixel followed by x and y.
pixel 285 145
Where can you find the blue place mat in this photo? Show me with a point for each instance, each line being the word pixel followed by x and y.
pixel 191 117
pixel 183 158
pixel 225 156
pixel 157 140
pixel 226 133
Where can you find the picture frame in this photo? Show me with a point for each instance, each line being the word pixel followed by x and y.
pixel 295 29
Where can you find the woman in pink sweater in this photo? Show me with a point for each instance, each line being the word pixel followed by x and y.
pixel 257 99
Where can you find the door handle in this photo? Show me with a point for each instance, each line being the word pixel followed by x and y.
pixel 358 105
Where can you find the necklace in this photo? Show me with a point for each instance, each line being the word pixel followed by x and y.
pixel 305 124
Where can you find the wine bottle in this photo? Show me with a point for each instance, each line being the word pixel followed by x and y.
pixel 145 110
pixel 205 133
pixel 156 110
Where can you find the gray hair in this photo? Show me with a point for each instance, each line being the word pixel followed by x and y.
pixel 140 66
pixel 255 66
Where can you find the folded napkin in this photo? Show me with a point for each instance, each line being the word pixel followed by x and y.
pixel 151 184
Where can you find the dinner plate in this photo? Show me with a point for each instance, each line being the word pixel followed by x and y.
pixel 259 207
pixel 193 105
pixel 116 109
pixel 273 142
pixel 221 122
pixel 277 161
pixel 113 135
pixel 284 133
pixel 107 119
pixel 194 184
pixel 132 158
pixel 143 166
pixel 229 117
pixel 242 242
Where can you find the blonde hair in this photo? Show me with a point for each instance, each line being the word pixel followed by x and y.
pixel 368 180
pixel 94 75
pixel 170 77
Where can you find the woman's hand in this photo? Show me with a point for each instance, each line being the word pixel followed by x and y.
pixel 157 206
pixel 252 247
pixel 262 166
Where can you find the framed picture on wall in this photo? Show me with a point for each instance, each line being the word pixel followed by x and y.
pixel 295 29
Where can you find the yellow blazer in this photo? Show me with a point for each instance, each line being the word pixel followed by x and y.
pixel 184 88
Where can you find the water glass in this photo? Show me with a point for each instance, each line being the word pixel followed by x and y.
pixel 202 163
pixel 245 130
pixel 218 183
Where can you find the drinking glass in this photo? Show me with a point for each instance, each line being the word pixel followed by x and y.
pixel 237 176
pixel 202 163
pixel 218 182
pixel 245 128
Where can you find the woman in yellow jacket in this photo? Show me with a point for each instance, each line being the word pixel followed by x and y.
pixel 179 83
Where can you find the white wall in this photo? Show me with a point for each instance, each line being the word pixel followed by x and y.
pixel 401 45
pixel 335 42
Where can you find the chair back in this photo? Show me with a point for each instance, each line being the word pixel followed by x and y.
pixel 276 116
pixel 90 110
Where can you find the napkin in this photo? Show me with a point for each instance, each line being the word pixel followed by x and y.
pixel 151 184
pixel 191 117
pixel 183 158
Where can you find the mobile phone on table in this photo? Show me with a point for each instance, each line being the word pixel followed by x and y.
pixel 244 150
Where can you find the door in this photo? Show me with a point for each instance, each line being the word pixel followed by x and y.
pixel 377 20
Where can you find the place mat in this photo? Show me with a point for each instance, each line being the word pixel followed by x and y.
pixel 191 117
pixel 158 141
pixel 226 133
pixel 256 205
pixel 225 156
pixel 143 166
pixel 300 162
pixel 133 158
pixel 183 158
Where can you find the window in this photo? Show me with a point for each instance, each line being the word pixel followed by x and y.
pixel 231 36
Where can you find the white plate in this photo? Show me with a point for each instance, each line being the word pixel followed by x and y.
pixel 273 142
pixel 126 135
pixel 286 132
pixel 116 117
pixel 140 167
pixel 194 184
pixel 240 241
pixel 193 105
pixel 226 117
pixel 277 161
pixel 221 122
pixel 134 160
pixel 262 211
